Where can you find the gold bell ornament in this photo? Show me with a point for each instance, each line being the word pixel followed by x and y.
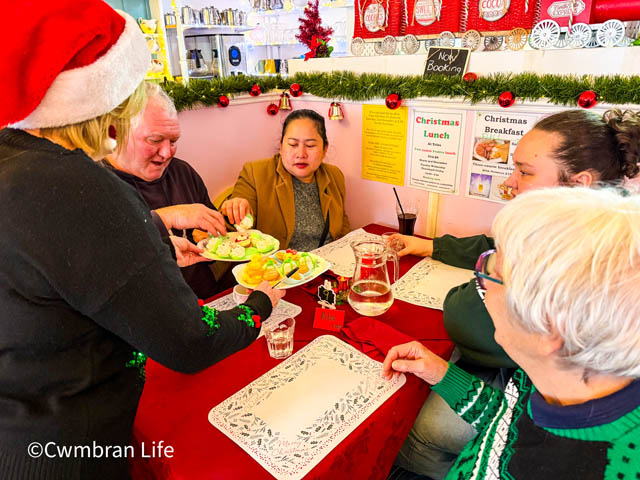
pixel 285 103
pixel 335 111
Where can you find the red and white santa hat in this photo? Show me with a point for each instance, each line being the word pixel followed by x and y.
pixel 66 61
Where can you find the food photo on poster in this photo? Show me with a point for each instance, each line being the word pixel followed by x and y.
pixel 494 138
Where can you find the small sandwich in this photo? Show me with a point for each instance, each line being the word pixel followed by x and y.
pixel 223 250
pixel 245 224
pixel 238 252
pixel 243 240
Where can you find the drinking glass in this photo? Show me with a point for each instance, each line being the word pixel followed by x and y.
pixel 392 244
pixel 280 339
pixel 407 217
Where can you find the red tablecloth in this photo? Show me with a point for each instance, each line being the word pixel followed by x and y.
pixel 174 406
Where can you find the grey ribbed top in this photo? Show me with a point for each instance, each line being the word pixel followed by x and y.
pixel 309 223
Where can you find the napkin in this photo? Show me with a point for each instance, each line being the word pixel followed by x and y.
pixel 372 336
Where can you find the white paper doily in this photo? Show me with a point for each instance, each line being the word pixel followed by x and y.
pixel 283 309
pixel 428 282
pixel 291 417
pixel 340 254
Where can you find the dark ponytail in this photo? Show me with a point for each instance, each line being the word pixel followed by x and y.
pixel 626 128
pixel 608 145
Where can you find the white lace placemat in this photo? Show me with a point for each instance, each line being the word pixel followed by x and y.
pixel 283 310
pixel 428 282
pixel 291 417
pixel 340 254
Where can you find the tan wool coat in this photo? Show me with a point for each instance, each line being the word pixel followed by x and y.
pixel 268 187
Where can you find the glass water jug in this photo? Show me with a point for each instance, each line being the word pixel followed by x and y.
pixel 370 292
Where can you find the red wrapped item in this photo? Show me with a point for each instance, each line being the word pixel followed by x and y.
pixel 558 11
pixel 501 16
pixel 429 18
pixel 375 19
pixel 623 10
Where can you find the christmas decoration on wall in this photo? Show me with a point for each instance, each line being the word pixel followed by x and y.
pixel 223 101
pixel 506 99
pixel 296 90
pixel 393 101
pixel 311 30
pixel 554 89
pixel 470 77
pixel 335 111
pixel 285 103
pixel 255 90
pixel 272 109
pixel 587 99
pixel 319 48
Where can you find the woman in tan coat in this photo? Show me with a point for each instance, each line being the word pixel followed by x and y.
pixel 294 196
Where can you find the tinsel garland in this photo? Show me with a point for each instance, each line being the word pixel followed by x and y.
pixel 210 317
pixel 555 89
pixel 138 361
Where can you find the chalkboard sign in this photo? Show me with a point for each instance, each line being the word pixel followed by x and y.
pixel 447 61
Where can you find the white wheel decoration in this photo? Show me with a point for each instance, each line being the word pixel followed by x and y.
pixel 610 33
pixel 545 34
pixel 492 44
pixel 410 44
pixel 389 45
pixel 377 47
pixel 357 46
pixel 446 39
pixel 517 39
pixel 471 40
pixel 579 36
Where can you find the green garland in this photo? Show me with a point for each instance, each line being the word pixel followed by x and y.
pixel 556 89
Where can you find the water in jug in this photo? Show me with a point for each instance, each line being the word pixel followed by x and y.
pixel 370 292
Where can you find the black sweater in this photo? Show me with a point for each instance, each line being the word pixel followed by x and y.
pixel 85 281
pixel 179 184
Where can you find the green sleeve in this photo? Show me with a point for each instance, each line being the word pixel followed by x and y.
pixel 470 327
pixel 476 402
pixel 461 252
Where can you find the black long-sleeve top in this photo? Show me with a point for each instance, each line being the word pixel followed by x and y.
pixel 85 282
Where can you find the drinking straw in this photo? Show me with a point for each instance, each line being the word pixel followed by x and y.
pixel 399 204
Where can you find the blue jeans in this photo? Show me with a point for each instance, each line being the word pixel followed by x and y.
pixel 439 434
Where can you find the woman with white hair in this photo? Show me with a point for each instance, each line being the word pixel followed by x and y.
pixel 563 291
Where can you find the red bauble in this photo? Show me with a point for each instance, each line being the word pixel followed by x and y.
pixel 587 99
pixel 296 90
pixel 506 99
pixel 470 77
pixel 272 109
pixel 223 101
pixel 393 101
pixel 255 90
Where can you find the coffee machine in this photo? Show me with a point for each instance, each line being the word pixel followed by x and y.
pixel 232 55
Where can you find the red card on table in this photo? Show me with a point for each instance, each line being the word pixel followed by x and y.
pixel 328 319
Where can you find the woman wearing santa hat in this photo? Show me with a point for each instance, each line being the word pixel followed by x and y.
pixel 80 305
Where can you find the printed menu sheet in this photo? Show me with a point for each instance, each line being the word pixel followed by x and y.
pixel 495 137
pixel 428 282
pixel 436 150
pixel 384 144
pixel 291 417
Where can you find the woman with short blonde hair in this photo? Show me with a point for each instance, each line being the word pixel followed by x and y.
pixel 81 304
